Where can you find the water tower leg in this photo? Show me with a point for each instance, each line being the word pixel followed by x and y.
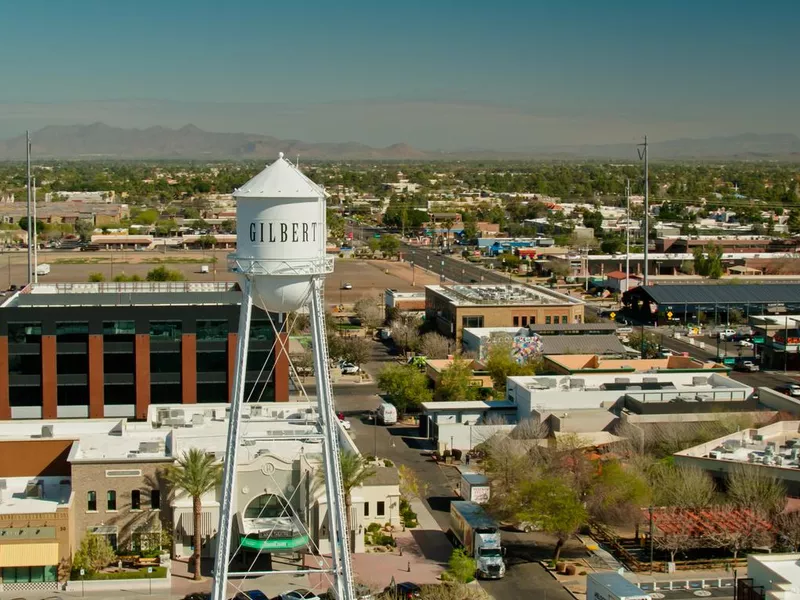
pixel 227 509
pixel 337 521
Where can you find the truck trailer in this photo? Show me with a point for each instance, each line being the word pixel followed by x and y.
pixel 475 487
pixel 479 534
pixel 612 586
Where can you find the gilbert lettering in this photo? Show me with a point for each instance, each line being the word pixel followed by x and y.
pixel 294 232
pixel 284 232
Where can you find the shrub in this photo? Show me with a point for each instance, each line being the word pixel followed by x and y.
pixel 387 463
pixel 158 572
pixel 373 527
pixel 461 566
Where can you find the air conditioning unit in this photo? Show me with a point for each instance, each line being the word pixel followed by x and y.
pixel 47 431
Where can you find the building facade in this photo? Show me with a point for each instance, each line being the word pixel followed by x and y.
pixel 112 349
pixel 454 307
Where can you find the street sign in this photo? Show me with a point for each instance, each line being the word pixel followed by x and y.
pixel 149 569
pixel 669 315
pixel 613 315
pixel 83 572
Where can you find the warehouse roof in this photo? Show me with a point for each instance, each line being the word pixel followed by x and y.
pixel 720 294
pixel 582 344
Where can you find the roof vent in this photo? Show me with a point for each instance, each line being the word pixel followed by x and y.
pixel 47 431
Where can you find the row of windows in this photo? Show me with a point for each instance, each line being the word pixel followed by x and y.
pixel 111 500
pixel 380 509
pixel 206 330
pixel 548 320
pixel 29 574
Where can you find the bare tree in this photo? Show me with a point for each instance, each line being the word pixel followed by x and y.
pixel 752 488
pixel 678 537
pixel 434 345
pixel 411 486
pixel 744 530
pixel 369 313
pixel 788 527
pixel 682 486
pixel 405 334
pixel 451 591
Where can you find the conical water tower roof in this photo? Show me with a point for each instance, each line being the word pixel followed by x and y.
pixel 281 179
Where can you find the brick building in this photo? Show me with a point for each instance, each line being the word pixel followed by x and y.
pixel 111 349
pixel 454 307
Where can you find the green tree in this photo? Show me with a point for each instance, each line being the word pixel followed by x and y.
pixel 455 382
pixel 228 226
pixel 618 492
pixel 206 241
pixel 96 277
pixel 647 343
pixel 200 224
pixel 165 227
pixel 470 231
pixel 461 566
pixel 335 224
pixel 612 244
pixel 389 245
pixel 122 277
pixel 162 273
pixel 95 553
pixel 196 474
pixel 794 221
pixel 554 505
pixel 405 386
pixel 23 224
pixel 355 350
pixel 708 261
pixel 356 471
pixel 84 229
pixel 502 364
pixel 681 486
pixel 145 217
pixel 374 244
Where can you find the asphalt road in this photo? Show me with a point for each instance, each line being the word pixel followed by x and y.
pixel 453 269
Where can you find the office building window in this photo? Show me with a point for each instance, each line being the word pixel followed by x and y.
pixel 211 331
pixel 564 319
pixel 472 321
pixel 136 500
pixel 24 333
pixel 166 330
pixel 91 500
pixel 366 509
pixel 262 331
pixel 155 499
pixel 111 500
pixel 533 320
pixel 119 328
pixel 381 509
pixel 524 321
pixel 547 320
pixel 72 329
pixel 516 321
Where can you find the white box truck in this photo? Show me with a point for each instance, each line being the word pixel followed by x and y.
pixel 387 413
pixel 43 269
pixel 479 534
pixel 612 586
pixel 475 487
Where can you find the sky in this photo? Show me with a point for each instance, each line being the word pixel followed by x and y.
pixel 437 74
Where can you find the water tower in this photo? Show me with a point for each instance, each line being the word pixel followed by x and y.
pixel 280 261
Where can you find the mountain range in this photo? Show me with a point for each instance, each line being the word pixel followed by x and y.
pixel 101 141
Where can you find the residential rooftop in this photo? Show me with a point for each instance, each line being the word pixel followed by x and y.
pixel 29 495
pixel 137 293
pixel 501 295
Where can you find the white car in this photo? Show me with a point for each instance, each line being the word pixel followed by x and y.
pixel 350 369
pixel 298 594
pixel 347 286
pixel 744 344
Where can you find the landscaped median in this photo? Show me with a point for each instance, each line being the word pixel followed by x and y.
pixel 124 579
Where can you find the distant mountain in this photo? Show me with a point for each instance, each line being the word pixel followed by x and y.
pixel 100 141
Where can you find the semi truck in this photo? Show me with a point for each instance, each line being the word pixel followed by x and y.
pixel 612 586
pixel 479 534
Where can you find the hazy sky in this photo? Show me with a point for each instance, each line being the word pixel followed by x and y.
pixel 437 74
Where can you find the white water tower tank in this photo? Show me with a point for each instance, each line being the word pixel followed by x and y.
pixel 281 235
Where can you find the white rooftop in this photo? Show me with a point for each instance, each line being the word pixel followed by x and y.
pixel 34 494
pixel 778 573
pixel 627 382
pixel 281 179
pixel 501 294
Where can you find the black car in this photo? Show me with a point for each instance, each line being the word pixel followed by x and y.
pixel 406 591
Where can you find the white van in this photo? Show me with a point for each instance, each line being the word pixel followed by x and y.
pixel 387 413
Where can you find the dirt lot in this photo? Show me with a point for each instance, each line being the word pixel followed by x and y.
pixel 368 278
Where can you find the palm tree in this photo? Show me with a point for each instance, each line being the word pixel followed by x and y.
pixel 355 471
pixel 196 474
pixel 448 223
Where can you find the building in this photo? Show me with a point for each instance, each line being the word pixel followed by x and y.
pixel 111 478
pixel 590 364
pixel 464 425
pixel 480 377
pixel 454 307
pixel 778 338
pixel 772 449
pixel 619 282
pixel 406 302
pixel 710 302
pixel 110 241
pixel 771 577
pixel 585 338
pixel 37 528
pixel 729 244
pixel 112 349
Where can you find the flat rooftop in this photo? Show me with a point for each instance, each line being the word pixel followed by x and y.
pixel 628 382
pixel 786 566
pixel 26 495
pixel 593 362
pixel 135 293
pixel 776 445
pixel 501 295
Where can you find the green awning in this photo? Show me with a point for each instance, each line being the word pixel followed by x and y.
pixel 274 544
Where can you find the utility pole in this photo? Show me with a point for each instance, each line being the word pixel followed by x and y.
pixel 644 154
pixel 628 235
pixel 35 237
pixel 28 187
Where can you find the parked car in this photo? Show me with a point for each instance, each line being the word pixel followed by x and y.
pixel 726 334
pixel 251 595
pixel 790 389
pixel 345 423
pixel 298 594
pixel 747 365
pixel 347 286
pixel 197 596
pixel 744 344
pixel 406 591
pixel 350 369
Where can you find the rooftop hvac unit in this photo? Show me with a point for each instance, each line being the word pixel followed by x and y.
pixel 649 379
pixel 622 380
pixel 699 380
pixel 256 411
pixel 149 447
pixel 577 383
pixel 713 454
pixel 198 419
pixel 47 431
